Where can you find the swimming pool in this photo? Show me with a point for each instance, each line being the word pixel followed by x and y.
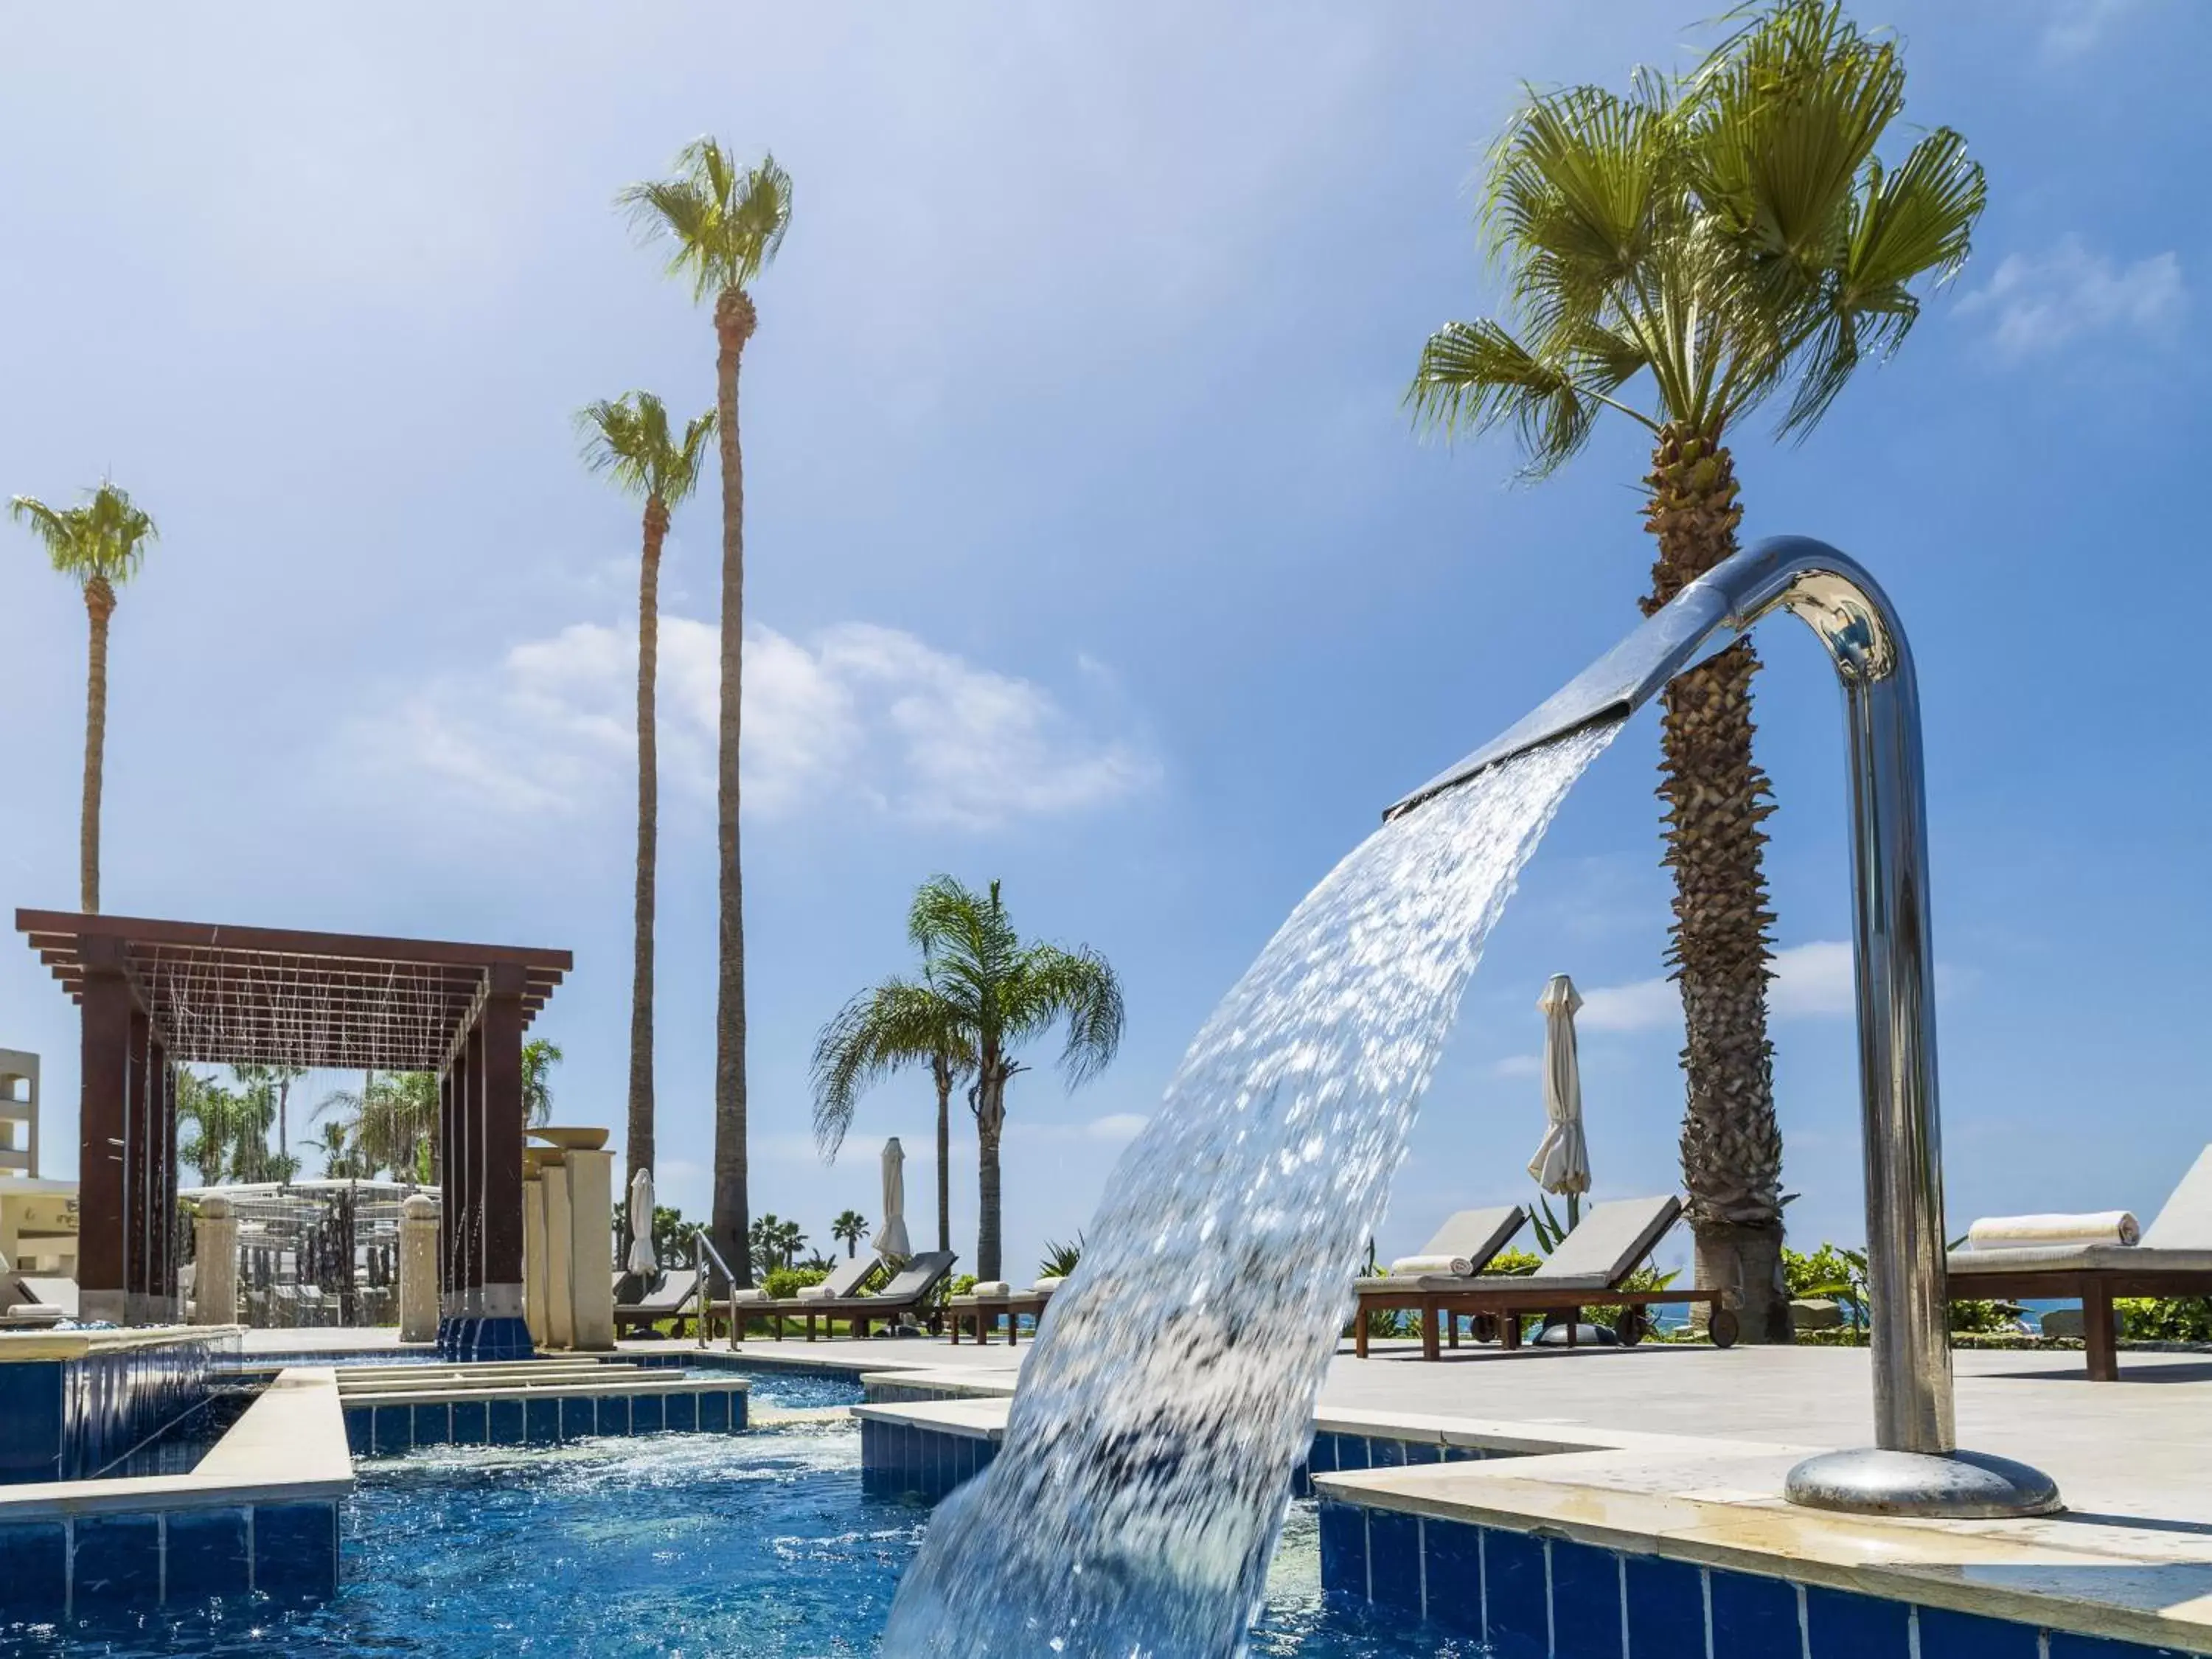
pixel 675 1544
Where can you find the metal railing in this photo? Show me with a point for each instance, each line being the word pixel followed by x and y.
pixel 703 1251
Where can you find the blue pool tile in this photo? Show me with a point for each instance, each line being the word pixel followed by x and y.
pixel 1754 1618
pixel 1320 1456
pixel 2066 1646
pixel 541 1422
pixel 471 1424
pixel 1841 1625
pixel 433 1423
pixel 34 1571
pixel 505 1424
pixel 1585 1601
pixel 1666 1608
pixel 1947 1635
pixel 680 1411
pixel 578 1418
pixel 210 1552
pixel 714 1411
pixel 1418 1452
pixel 1453 1554
pixel 392 1430
pixel 1344 1551
pixel 1394 1560
pixel 295 1551
pixel 1464 1454
pixel 32 1415
pixel 614 1414
pixel 1351 1452
pixel 1386 1454
pixel 740 1407
pixel 119 1560
pixel 1513 1577
pixel 645 1415
pixel 357 1430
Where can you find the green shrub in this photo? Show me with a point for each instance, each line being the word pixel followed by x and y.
pixel 783 1282
pixel 1514 1262
pixel 2164 1318
pixel 1983 1317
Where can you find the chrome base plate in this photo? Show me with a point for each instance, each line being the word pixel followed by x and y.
pixel 1960 1486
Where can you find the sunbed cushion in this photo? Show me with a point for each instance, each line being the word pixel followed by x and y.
pixel 849 1275
pixel 1612 1238
pixel 2019 1233
pixel 1477 1235
pixel 1411 1284
pixel 2080 1258
pixel 2185 1223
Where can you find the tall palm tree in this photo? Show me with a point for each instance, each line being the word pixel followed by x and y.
pixel 99 545
pixel 1009 993
pixel 900 1022
pixel 724 225
pixel 389 1124
pixel 849 1229
pixel 1679 255
pixel 630 440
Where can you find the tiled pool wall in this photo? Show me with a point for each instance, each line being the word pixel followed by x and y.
pixel 91 1565
pixel 77 1418
pixel 1532 1597
pixel 904 1460
pixel 1332 1452
pixel 393 1430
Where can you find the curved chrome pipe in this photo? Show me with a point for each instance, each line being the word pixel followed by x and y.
pixel 1895 965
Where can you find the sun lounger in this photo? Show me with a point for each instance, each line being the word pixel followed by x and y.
pixel 22 1306
pixel 909 1289
pixel 678 1292
pixel 843 1282
pixel 981 1314
pixel 2174 1259
pixel 1611 1242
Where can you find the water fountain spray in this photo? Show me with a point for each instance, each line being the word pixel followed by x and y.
pixel 1915 1467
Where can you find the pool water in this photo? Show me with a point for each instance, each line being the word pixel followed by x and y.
pixel 679 1545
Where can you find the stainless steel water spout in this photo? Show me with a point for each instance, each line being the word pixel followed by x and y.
pixel 1915 1468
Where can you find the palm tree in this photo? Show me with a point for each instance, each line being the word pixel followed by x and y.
pixel 99 545
pixel 1008 993
pixel 900 1022
pixel 774 1240
pixel 630 440
pixel 1678 256
pixel 849 1229
pixel 391 1124
pixel 539 1057
pixel 209 1120
pixel 725 226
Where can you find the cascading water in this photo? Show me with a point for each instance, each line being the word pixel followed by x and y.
pixel 1148 1455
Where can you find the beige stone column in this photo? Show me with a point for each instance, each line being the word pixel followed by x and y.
pixel 560 1316
pixel 215 1263
pixel 533 1249
pixel 591 1228
pixel 418 1268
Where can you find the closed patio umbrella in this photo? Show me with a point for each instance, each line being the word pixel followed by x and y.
pixel 891 1239
pixel 641 1259
pixel 1562 1162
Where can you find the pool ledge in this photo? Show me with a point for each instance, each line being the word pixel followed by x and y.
pixel 1712 1504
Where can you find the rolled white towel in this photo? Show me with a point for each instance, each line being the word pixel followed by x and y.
pixel 1050 1282
pixel 2016 1233
pixel 815 1293
pixel 1458 1267
pixel 753 1294
pixel 991 1287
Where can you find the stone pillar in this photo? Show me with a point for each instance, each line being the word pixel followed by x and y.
pixel 105 1075
pixel 533 1255
pixel 560 1309
pixel 418 1268
pixel 591 1224
pixel 215 1255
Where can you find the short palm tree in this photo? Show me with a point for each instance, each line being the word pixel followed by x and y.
pixel 539 1056
pixel 1009 993
pixel 724 225
pixel 901 1022
pixel 1678 256
pixel 389 1124
pixel 630 440
pixel 99 545
pixel 849 1229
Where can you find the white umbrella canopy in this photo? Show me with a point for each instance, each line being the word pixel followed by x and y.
pixel 1562 1162
pixel 641 1259
pixel 891 1239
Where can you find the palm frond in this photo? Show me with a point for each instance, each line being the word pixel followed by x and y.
pixel 104 538
pixel 1473 376
pixel 628 439
pixel 899 1023
pixel 1052 985
pixel 724 225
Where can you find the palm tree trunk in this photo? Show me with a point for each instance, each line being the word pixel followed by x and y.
pixel 734 319
pixel 943 1076
pixel 99 606
pixel 990 1120
pixel 1716 799
pixel 637 1139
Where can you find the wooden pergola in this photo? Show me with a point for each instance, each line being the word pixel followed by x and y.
pixel 154 995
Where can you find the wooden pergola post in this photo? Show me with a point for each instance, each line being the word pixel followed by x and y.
pixel 497 1047
pixel 103 1123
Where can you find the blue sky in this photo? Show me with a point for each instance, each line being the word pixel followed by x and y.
pixel 1089 546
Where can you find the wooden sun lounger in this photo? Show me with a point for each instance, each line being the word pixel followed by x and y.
pixel 909 1289
pixel 678 1291
pixel 2174 1259
pixel 981 1314
pixel 1586 1270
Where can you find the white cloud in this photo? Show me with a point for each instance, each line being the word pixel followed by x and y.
pixel 1638 1008
pixel 2040 302
pixel 1518 1066
pixel 2079 25
pixel 860 712
pixel 1811 980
